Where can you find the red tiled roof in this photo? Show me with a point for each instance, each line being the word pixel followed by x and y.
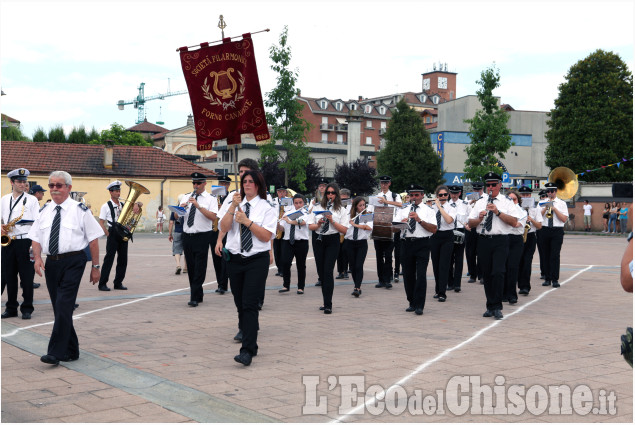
pixel 88 160
pixel 7 118
pixel 148 127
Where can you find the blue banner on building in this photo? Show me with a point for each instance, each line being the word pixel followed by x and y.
pixel 440 147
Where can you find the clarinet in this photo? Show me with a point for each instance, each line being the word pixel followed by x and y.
pixel 328 207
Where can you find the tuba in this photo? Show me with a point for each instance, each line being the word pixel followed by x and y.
pixel 128 219
pixel 567 183
pixel 5 240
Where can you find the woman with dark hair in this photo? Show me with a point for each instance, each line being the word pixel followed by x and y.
pixel 295 243
pixel 605 216
pixel 250 223
pixel 328 226
pixel 442 242
pixel 357 243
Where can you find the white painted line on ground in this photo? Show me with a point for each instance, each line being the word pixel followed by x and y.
pixel 423 366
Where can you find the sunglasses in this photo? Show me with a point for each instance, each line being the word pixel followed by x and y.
pixel 197 183
pixel 56 185
pixel 442 194
pixel 330 193
pixel 491 184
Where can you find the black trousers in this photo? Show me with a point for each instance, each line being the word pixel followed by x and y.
pixel 383 252
pixel 16 262
pixel 220 267
pixel 492 256
pixel 471 247
pixel 299 250
pixel 114 245
pixel 541 251
pixel 316 255
pixel 415 255
pixel 328 249
pixel 456 264
pixel 524 273
pixel 513 266
pixel 195 246
pixel 357 251
pixel 248 277
pixel 441 246
pixel 553 238
pixel 342 258
pixel 62 281
pixel 277 253
pixel 397 245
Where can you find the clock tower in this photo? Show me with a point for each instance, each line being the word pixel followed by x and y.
pixel 440 81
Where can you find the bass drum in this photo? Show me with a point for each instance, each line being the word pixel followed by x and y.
pixel 382 224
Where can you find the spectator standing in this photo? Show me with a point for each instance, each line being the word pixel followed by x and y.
pixel 605 217
pixel 588 209
pixel 613 216
pixel 160 219
pixel 623 217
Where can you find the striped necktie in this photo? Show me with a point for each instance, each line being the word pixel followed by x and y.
pixel 245 234
pixel 356 230
pixel 190 218
pixel 55 232
pixel 412 223
pixel 292 235
pixel 439 218
pixel 488 221
pixel 326 225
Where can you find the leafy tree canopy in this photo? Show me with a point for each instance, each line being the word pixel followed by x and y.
pixel 591 124
pixel 13 134
pixel 357 176
pixel 118 135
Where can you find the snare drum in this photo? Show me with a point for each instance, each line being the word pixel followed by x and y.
pixel 382 224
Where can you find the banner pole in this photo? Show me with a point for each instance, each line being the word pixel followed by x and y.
pixel 234 153
pixel 218 41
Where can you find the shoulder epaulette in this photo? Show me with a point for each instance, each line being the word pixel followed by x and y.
pixel 82 206
pixel 270 203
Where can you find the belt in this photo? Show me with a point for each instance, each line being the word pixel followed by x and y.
pixel 416 239
pixel 492 236
pixel 22 236
pixel 240 257
pixel 64 255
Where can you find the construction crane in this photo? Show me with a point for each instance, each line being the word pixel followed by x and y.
pixel 140 101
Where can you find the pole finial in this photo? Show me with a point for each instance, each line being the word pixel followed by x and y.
pixel 222 25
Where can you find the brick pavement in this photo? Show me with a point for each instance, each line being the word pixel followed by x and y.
pixel 148 357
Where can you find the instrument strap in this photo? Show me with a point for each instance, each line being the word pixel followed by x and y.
pixel 11 207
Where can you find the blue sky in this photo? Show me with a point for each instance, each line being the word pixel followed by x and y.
pixel 68 63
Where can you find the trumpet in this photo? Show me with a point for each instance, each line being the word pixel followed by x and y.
pixel 6 240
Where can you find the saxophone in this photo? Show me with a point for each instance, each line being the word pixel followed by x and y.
pixel 215 226
pixel 527 227
pixel 6 239
pixel 280 232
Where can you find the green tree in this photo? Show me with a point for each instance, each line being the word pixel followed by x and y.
pixel 78 135
pixel 286 120
pixel 40 135
pixel 56 135
pixel 118 135
pixel 592 122
pixel 488 130
pixel 408 156
pixel 94 135
pixel 12 133
pixel 357 176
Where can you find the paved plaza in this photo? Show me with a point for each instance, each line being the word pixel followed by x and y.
pixel 148 357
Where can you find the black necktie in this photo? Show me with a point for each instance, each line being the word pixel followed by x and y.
pixel 439 218
pixel 190 218
pixel 292 235
pixel 550 221
pixel 55 232
pixel 356 230
pixel 245 234
pixel 325 226
pixel 412 223
pixel 488 221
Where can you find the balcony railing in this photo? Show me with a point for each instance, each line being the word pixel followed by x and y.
pixel 341 127
pixel 329 127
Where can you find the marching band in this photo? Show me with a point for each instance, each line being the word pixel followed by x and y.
pixel 498 235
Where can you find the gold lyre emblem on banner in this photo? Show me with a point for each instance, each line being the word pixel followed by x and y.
pixel 224 87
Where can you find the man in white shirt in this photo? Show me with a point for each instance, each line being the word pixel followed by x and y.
pixel 471 241
pixel 553 220
pixel 588 210
pixel 115 244
pixel 456 262
pixel 384 249
pixel 62 231
pixel 534 218
pixel 18 207
pixel 201 209
pixel 493 216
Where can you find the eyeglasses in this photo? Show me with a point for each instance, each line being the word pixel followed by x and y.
pixel 442 194
pixel 56 185
pixel 416 194
pixel 330 193
pixel 491 184
pixel 551 190
pixel 197 183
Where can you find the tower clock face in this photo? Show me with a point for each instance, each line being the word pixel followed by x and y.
pixel 426 84
pixel 443 83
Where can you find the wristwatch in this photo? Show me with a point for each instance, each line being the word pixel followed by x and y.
pixel 499 213
pixel 96 266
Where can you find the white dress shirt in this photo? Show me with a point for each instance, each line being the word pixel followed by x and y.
pixel 301 232
pixel 451 212
pixel 339 216
pixel 361 233
pixel 561 206
pixel 78 227
pixel 261 213
pixel 535 214
pixel 201 223
pixel 499 227
pixel 522 221
pixel 424 213
pixel 12 208
pixel 462 212
pixel 104 213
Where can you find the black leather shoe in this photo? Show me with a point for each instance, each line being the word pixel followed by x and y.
pixel 26 316
pixel 279 274
pixel 322 308
pixel 8 314
pixel 449 288
pixel 546 283
pixel 284 290
pixel 319 283
pixel 48 359
pixel 396 278
pixel 410 309
pixel 259 306
pixel 75 307
pixel 340 276
pixel 488 313
pixel 419 311
pixel 555 284
pixel 542 277
pixel 103 288
pixel 193 303
pixel 471 280
pixel 327 311
pixel 380 285
pixel 436 296
pixel 523 292
pixel 239 336
pixel 498 315
pixel 457 289
pixel 441 298
pixel 121 288
pixel 70 358
pixel 244 357
pixel 513 300
pixel 36 285
pixel 388 285
pixel 346 276
pixel 355 293
pixel 220 290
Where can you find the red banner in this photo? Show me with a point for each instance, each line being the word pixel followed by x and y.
pixel 225 92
